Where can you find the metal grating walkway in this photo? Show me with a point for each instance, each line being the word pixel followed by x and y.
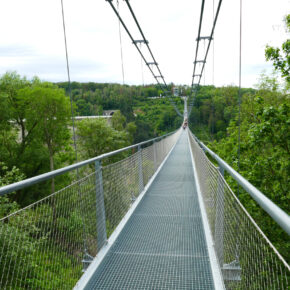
pixel 163 244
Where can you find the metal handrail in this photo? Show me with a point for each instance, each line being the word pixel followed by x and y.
pixel 49 175
pixel 278 215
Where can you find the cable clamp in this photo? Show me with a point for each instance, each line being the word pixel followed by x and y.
pixel 204 37
pixel 140 41
pixel 151 63
pixel 199 61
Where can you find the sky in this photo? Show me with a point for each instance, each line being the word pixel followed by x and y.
pixel 32 40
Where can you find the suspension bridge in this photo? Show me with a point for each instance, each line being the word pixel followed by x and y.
pixel 161 217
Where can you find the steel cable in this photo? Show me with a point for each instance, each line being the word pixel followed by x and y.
pixel 206 54
pixel 73 121
pixel 121 47
pixel 150 51
pixel 140 52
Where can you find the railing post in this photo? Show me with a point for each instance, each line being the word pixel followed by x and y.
pixel 219 218
pixel 101 215
pixel 141 183
pixel 154 155
pixel 163 149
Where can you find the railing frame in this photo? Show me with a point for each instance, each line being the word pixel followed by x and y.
pixel 49 175
pixel 100 203
pixel 219 220
pixel 141 182
pixel 278 215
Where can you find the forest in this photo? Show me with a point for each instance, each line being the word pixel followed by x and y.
pixel 36 132
pixel 264 134
pixel 36 136
pixel 36 120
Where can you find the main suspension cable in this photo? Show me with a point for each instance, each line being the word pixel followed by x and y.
pixel 135 42
pixel 198 39
pixel 211 37
pixel 150 51
pixel 204 68
pixel 240 92
pixel 121 47
pixel 145 41
pixel 129 34
pixel 69 81
pixel 213 44
pixel 142 73
pixel 73 124
pixel 195 86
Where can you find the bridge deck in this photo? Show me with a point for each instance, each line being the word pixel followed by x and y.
pixel 163 244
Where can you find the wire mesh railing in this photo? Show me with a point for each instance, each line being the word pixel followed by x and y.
pixel 246 257
pixel 48 244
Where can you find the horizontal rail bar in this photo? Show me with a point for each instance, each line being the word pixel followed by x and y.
pixel 282 218
pixel 49 175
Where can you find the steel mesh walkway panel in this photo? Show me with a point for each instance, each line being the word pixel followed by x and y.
pixel 163 244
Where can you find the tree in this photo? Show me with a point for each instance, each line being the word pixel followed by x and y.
pixel 168 120
pixel 131 128
pixel 83 107
pixel 144 131
pixel 281 57
pixel 264 159
pixel 50 110
pixel 96 137
pixel 118 121
pixel 14 105
pixel 18 143
pixel 8 176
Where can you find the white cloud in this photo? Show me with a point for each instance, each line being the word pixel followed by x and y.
pixel 32 41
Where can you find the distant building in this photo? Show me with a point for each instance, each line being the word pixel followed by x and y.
pixel 79 118
pixel 109 112
pixel 175 91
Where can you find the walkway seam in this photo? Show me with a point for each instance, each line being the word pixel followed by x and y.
pixel 160 255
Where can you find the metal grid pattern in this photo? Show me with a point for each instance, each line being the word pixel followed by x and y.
pixel 121 187
pixel 163 244
pixel 247 258
pixel 148 163
pixel 53 232
pixel 49 244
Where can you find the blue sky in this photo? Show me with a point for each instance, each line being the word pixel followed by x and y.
pixel 32 39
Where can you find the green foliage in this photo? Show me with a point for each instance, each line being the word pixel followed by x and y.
pixel 265 140
pixel 156 116
pixel 49 112
pixel 7 205
pixel 39 245
pixel 264 159
pixel 131 128
pixel 96 137
pixel 142 101
pixel 118 121
pixel 34 133
pixel 35 137
pixel 281 57
pixel 213 110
